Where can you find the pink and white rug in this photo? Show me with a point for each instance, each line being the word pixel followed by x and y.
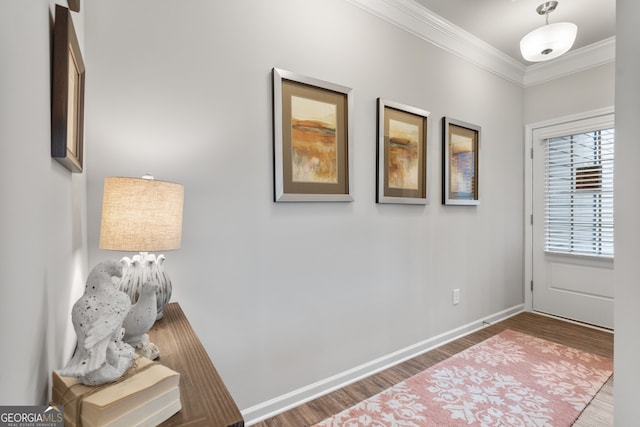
pixel 510 379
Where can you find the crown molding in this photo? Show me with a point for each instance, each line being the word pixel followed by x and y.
pixel 426 25
pixel 591 56
pixel 421 22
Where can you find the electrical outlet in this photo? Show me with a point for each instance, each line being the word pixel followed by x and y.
pixel 456 296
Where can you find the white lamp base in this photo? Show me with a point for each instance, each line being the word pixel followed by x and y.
pixel 146 267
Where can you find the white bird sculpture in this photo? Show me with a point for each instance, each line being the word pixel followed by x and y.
pixel 141 317
pixel 101 356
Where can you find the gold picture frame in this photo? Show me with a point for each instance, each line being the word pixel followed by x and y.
pixel 311 137
pixel 67 94
pixel 461 162
pixel 402 154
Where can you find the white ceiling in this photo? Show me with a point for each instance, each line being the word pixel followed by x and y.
pixel 502 23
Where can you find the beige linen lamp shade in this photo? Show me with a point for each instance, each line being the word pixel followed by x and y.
pixel 141 215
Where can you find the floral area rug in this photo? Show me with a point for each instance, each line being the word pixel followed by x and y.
pixel 510 379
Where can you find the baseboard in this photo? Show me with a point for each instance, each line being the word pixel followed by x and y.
pixel 305 394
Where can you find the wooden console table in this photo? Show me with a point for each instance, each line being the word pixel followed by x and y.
pixel 205 399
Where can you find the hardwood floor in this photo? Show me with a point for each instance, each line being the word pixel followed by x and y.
pixel 598 413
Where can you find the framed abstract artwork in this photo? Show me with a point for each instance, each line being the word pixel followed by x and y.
pixel 311 137
pixel 461 150
pixel 402 154
pixel 67 94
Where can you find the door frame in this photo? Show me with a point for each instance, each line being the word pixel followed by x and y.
pixel 529 130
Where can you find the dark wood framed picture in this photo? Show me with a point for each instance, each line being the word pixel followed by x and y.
pixel 402 154
pixel 311 137
pixel 461 154
pixel 67 94
pixel 74 5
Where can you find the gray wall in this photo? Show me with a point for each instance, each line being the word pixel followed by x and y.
pixel 627 291
pixel 43 254
pixel 284 295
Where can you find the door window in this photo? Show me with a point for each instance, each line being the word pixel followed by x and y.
pixel 579 194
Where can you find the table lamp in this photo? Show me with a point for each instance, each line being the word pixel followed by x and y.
pixel 142 215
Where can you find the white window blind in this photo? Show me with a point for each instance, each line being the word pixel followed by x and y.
pixel 579 194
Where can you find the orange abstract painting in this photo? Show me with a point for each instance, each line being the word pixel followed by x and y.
pixel 313 141
pixel 404 168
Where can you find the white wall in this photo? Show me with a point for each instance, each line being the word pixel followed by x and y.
pixel 43 212
pixel 627 291
pixel 283 295
pixel 587 90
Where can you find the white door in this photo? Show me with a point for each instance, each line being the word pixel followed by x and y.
pixel 572 222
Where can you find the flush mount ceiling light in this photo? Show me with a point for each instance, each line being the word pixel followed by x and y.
pixel 550 41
